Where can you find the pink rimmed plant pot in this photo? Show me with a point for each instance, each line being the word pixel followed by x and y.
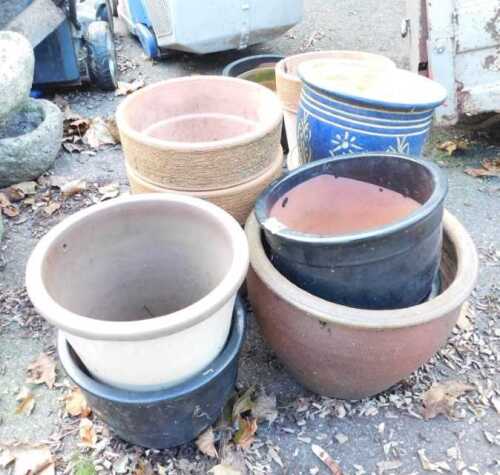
pixel 142 287
pixel 352 353
pixel 200 133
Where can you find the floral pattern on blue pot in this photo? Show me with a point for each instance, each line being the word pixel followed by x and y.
pixel 332 123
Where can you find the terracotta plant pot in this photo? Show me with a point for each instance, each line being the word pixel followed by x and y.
pixel 170 417
pixel 390 261
pixel 349 353
pixel 289 85
pixel 237 200
pixel 142 287
pixel 200 133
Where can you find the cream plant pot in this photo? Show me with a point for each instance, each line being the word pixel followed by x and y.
pixel 143 287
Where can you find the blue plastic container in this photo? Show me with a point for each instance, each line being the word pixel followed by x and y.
pixel 346 109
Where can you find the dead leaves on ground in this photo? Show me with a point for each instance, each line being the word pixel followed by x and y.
pixel 441 398
pixel 454 146
pixel 27 459
pixel 206 443
pixel 26 401
pixel 488 168
pixel 439 467
pixel 84 134
pixel 42 371
pixel 76 404
pixel 326 459
pixel 88 435
pixel 124 88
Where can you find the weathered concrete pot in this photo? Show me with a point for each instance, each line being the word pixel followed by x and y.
pixel 169 417
pixel 143 287
pixel 16 72
pixel 238 200
pixel 289 85
pixel 349 353
pixel 200 133
pixel 25 157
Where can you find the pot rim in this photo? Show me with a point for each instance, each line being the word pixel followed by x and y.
pixel 455 295
pixel 317 84
pixel 124 396
pixel 280 66
pixel 271 57
pixel 273 120
pixel 135 330
pixel 276 228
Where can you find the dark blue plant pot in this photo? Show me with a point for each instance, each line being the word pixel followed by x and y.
pixel 169 417
pixel 393 266
pixel 331 123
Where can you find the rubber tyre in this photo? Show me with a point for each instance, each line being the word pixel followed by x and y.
pixel 101 56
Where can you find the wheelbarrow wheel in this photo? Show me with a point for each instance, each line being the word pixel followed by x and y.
pixel 101 56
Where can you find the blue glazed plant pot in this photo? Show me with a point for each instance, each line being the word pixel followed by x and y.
pixel 359 110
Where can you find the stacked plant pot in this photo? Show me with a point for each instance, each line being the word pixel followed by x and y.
pixel 30 129
pixel 143 290
pixel 289 86
pixel 352 298
pixel 216 138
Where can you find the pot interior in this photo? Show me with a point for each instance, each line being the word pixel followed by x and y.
pixel 264 75
pixel 309 200
pixel 202 109
pixel 137 261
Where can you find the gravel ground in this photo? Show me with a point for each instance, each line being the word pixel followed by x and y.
pixel 384 434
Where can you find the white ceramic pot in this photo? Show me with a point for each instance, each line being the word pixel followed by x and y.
pixel 143 287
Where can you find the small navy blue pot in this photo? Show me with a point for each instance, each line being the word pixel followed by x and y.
pixel 169 417
pixel 331 122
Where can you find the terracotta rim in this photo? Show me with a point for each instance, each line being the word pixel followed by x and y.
pixel 317 54
pixel 273 121
pixel 91 328
pixel 448 301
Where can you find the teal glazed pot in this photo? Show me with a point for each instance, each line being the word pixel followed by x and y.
pixel 355 109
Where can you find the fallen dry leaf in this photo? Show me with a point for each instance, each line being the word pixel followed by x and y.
pixel 42 371
pixel 453 146
pixel 265 408
pixel 143 468
pixel 432 466
pixel 7 208
pixel 245 435
pixel 441 398
pixel 73 187
pixel 51 208
pixel 206 443
pixel 76 404
pixel 29 459
pixel 100 133
pixel 224 469
pixel 109 191
pixel 88 436
pixel 326 459
pixel 19 191
pixel 489 168
pixel 125 88
pixel 26 402
pixel 495 401
pixel 243 403
pixel 464 321
pixel 122 464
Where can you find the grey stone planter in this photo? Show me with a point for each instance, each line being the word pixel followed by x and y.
pixel 25 157
pixel 17 64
